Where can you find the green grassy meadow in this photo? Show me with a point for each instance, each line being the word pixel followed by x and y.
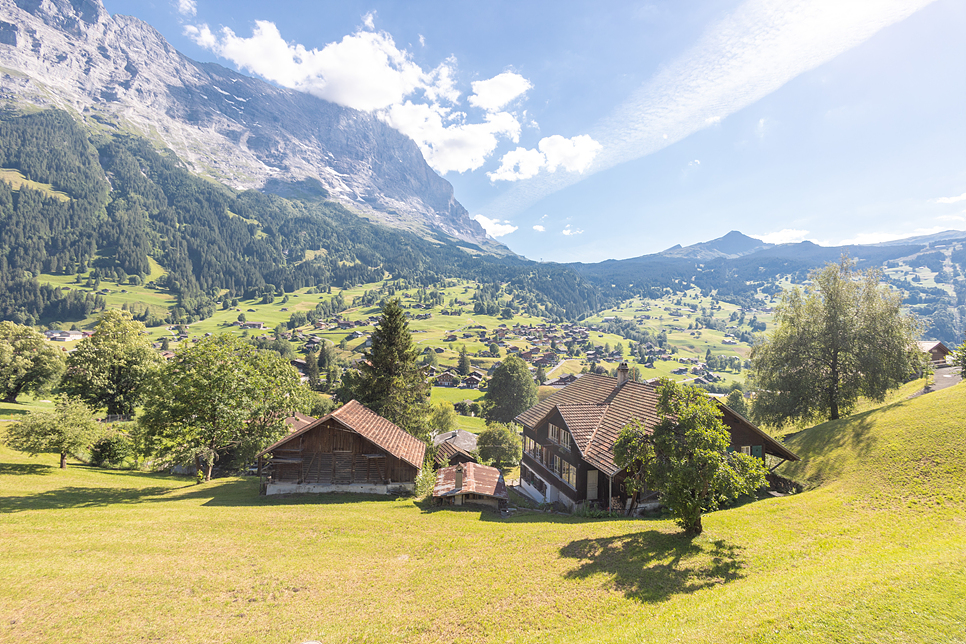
pixel 873 551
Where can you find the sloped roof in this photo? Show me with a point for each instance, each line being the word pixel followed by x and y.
pixel 595 409
pixel 298 420
pixel 461 438
pixel 358 418
pixel 477 479
pixel 928 345
pixel 447 450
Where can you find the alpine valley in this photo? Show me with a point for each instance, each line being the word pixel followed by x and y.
pixel 123 159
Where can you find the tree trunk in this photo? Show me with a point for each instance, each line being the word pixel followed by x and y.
pixel 10 398
pixel 695 528
pixel 63 460
pixel 211 464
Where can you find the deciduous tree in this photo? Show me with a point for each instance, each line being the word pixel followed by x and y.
pixel 511 391
pixel 27 361
pixel 218 395
pixel 110 367
pixel 500 444
pixel 66 429
pixel 685 458
pixel 843 338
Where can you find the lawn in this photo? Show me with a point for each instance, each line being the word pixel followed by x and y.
pixel 875 553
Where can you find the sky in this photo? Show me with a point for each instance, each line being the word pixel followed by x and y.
pixel 585 131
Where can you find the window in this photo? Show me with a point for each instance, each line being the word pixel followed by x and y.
pixel 559 436
pixel 565 471
pixel 746 449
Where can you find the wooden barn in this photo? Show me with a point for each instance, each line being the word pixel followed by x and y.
pixel 353 449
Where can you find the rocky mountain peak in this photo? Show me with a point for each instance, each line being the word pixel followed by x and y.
pixel 120 74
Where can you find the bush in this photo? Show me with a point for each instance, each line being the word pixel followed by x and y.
pixel 111 450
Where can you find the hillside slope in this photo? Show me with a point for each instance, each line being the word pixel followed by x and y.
pixel 911 452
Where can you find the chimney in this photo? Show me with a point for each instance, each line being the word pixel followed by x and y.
pixel 622 372
pixel 459 477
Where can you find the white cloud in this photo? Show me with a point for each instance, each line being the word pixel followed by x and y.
pixel 187 7
pixel 570 231
pixel 711 120
pixel 495 228
pixel 518 164
pixel 422 40
pixel 747 55
pixel 574 154
pixel 539 228
pixel 495 93
pixel 961 197
pixel 951 218
pixel 458 147
pixel 785 236
pixel 694 163
pixel 365 71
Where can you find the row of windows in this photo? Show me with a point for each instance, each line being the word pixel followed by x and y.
pixel 564 470
pixel 559 436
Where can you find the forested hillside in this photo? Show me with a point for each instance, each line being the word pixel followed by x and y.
pixel 127 201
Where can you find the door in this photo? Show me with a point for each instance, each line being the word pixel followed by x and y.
pixel 591 485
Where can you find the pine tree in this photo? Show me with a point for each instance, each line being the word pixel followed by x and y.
pixel 389 381
pixel 464 364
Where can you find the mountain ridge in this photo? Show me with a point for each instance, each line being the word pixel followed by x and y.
pixel 119 73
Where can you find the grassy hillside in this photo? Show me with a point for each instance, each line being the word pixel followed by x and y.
pixel 876 553
pixel 910 453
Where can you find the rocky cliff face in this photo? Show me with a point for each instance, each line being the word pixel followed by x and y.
pixel 117 72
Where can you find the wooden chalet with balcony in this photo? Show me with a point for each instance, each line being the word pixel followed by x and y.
pixel 568 439
pixel 353 449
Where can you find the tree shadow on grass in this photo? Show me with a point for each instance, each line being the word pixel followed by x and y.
pixel 34 469
pixel 80 497
pixel 652 566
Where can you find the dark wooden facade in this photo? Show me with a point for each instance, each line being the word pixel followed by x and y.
pixel 330 453
pixel 568 439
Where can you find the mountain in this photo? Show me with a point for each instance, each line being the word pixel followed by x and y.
pixel 119 74
pixel 732 245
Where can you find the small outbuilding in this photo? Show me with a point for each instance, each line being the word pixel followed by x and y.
pixel 353 449
pixel 937 351
pixel 471 483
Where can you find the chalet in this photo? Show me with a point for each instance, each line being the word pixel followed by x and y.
pixel 568 439
pixel 447 379
pixel 562 381
pixel 937 352
pixel 353 449
pixel 472 381
pixel 470 483
pixel 250 325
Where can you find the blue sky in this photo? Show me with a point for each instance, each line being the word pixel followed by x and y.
pixel 579 131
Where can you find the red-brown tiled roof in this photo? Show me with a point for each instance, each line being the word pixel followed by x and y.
pixel 382 432
pixel 358 418
pixel 297 421
pixel 595 409
pixel 477 479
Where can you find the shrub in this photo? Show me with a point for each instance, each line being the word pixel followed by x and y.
pixel 111 450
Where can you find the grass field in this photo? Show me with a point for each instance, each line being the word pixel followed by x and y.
pixel 875 552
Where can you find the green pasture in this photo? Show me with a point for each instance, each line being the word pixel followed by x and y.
pixel 874 551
